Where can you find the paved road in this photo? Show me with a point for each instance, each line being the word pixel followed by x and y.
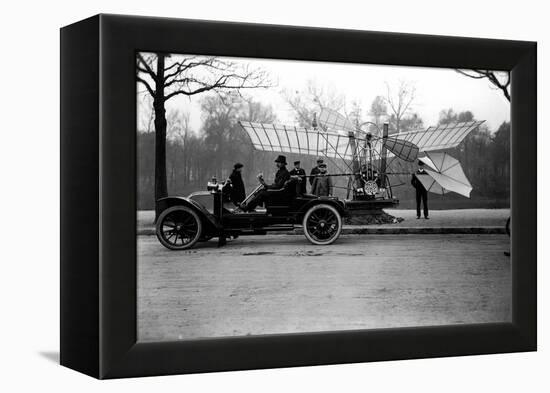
pixel 438 218
pixel 283 284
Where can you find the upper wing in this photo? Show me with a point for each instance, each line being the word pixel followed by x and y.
pixel 440 137
pixel 331 120
pixel 291 139
pixel 336 144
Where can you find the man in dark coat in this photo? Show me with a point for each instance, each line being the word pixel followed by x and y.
pixel 421 193
pixel 315 170
pixel 300 175
pixel 281 178
pixel 322 183
pixel 237 193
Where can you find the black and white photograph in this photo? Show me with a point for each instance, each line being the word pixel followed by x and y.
pixel 283 196
pixel 277 197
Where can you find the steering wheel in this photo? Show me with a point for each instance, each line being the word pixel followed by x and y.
pixel 261 180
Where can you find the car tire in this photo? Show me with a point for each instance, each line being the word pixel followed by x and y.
pixel 322 224
pixel 179 228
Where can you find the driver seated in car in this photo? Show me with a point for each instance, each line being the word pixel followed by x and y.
pixel 281 178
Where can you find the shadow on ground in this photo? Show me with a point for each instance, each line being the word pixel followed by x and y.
pixel 52 356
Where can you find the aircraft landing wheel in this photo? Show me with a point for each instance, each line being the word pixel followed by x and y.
pixel 179 228
pixel 322 224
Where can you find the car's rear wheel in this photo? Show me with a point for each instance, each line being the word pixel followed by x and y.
pixel 179 228
pixel 322 224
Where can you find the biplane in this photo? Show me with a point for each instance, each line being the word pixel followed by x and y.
pixel 366 161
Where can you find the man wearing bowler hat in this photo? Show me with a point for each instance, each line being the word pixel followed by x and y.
pixel 300 175
pixel 281 178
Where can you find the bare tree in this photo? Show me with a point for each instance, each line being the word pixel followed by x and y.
pixel 400 103
pixel 378 111
pixel 355 115
pixel 179 125
pixel 325 96
pixel 499 79
pixel 166 76
pixel 146 115
pixel 178 131
pixel 313 99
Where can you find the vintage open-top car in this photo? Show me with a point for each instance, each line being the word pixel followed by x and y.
pixel 184 221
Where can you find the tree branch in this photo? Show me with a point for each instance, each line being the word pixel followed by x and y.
pixel 149 89
pixel 146 68
pixel 469 75
pixel 223 82
pixel 181 67
pixel 491 77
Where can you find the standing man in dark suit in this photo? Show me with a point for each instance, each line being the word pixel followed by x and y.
pixel 315 170
pixel 322 184
pixel 421 193
pixel 300 175
pixel 237 193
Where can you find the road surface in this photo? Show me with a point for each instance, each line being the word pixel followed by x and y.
pixel 282 284
pixel 438 218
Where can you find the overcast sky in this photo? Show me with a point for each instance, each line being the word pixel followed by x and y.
pixel 436 89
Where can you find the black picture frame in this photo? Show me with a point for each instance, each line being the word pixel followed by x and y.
pixel 98 195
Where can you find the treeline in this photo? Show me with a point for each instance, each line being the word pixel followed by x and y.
pixel 192 158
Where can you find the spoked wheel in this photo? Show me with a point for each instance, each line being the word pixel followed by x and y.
pixel 322 224
pixel 179 228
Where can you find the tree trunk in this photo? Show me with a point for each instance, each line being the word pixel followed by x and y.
pixel 161 187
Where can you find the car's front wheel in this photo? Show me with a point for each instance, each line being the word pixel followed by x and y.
pixel 322 224
pixel 179 228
